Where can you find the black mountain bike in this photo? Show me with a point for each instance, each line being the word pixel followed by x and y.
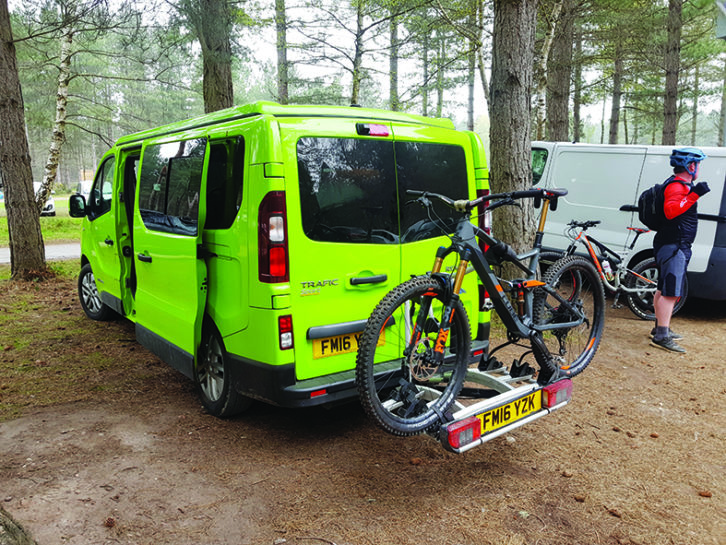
pixel 416 348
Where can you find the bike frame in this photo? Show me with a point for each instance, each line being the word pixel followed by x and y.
pixel 519 322
pixel 588 242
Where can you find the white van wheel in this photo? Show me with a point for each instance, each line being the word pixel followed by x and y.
pixel 214 377
pixel 89 296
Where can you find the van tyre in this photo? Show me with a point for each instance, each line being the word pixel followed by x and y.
pixel 214 377
pixel 641 302
pixel 90 299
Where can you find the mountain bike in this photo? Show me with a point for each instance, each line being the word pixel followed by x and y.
pixel 415 351
pixel 638 283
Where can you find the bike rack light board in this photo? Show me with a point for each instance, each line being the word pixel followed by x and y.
pixel 516 401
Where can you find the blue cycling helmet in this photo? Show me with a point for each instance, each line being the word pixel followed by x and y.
pixel 682 157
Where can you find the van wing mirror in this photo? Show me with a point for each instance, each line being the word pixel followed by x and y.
pixel 76 206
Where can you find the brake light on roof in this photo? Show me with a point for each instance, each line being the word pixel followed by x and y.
pixel 272 239
pixel 556 393
pixel 284 326
pixel 461 433
pixel 372 129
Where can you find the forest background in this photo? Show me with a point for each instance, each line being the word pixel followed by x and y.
pixel 600 66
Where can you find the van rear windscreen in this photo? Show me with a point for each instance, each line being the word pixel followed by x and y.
pixel 354 190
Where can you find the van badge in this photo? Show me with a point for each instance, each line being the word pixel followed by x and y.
pixel 313 287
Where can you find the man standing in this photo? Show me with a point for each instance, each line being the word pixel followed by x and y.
pixel 672 244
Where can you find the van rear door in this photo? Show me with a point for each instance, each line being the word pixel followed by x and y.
pixel 171 275
pixel 343 235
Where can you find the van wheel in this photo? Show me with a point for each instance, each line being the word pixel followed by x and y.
pixel 214 378
pixel 91 302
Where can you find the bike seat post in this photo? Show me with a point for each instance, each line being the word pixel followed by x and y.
pixel 542 220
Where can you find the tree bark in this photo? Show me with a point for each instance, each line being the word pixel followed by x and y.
pixel 357 56
pixel 511 91
pixel 440 64
pixel 283 78
pixel 542 79
pixel 617 94
pixel 559 75
pixel 425 85
pixel 58 137
pixel 12 533
pixel 393 65
pixel 27 253
pixel 577 92
pixel 213 22
pixel 694 107
pixel 672 67
pixel 722 115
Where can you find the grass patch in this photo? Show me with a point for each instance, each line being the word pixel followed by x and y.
pixel 52 354
pixel 56 229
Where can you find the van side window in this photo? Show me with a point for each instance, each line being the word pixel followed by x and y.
pixel 439 168
pixel 348 190
pixel 102 190
pixel 169 185
pixel 224 183
pixel 539 160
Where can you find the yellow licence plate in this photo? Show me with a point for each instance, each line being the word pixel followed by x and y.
pixel 340 344
pixel 511 412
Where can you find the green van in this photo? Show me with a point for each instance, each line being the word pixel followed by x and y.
pixel 250 245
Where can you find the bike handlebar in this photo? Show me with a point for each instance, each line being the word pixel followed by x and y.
pixel 464 205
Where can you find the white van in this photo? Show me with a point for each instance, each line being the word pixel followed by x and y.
pixel 600 178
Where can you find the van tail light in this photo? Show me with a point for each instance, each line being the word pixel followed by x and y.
pixel 284 326
pixel 273 252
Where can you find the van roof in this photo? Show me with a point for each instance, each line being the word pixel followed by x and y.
pixel 280 110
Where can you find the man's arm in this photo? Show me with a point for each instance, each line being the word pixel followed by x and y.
pixel 678 199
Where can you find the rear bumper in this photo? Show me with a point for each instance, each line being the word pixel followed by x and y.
pixel 276 384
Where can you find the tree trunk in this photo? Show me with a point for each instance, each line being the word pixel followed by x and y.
pixel 27 253
pixel 471 72
pixel 440 63
pixel 722 116
pixel 542 79
pixel 672 67
pixel 425 85
pixel 214 30
pixel 511 91
pixel 694 117
pixel 480 58
pixel 283 79
pixel 577 94
pixel 617 94
pixel 393 66
pixel 58 138
pixel 559 75
pixel 357 56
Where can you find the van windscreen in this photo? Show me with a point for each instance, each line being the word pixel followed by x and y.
pixel 354 190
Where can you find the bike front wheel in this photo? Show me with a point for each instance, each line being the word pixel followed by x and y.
pixel 643 277
pixel 400 384
pixel 576 295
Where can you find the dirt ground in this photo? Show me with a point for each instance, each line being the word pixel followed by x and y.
pixel 124 453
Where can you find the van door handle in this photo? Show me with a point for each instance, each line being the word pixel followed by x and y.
pixel 357 281
pixel 108 242
pixel 145 258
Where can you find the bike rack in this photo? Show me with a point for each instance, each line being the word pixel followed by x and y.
pixel 466 426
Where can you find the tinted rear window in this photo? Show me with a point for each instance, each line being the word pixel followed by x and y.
pixel 354 190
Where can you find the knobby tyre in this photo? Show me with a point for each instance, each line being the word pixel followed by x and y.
pixel 576 281
pixel 644 277
pixel 400 387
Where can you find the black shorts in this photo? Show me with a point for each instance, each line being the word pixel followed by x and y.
pixel 672 264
